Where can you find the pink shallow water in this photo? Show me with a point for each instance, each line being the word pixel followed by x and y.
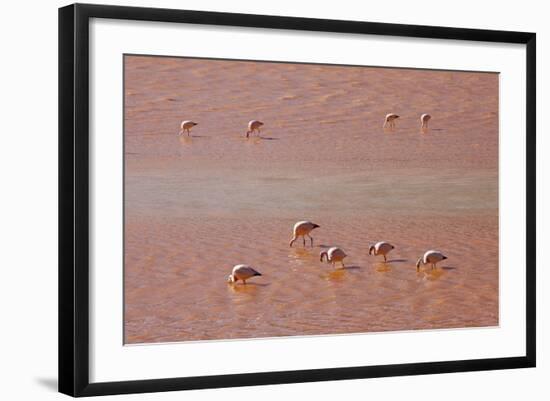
pixel 195 206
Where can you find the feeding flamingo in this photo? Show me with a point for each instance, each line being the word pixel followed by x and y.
pixel 381 248
pixel 243 273
pixel 186 126
pixel 301 229
pixel 334 255
pixel 389 121
pixel 254 125
pixel 430 257
pixel 424 119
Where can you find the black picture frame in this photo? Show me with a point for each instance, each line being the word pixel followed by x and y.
pixel 74 199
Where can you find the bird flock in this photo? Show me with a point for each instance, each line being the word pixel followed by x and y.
pixel 255 125
pixel 389 121
pixel 332 255
pixel 303 229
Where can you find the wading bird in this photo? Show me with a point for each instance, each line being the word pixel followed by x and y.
pixel 186 126
pixel 301 229
pixel 424 118
pixel 430 257
pixel 389 121
pixel 334 255
pixel 254 125
pixel 381 248
pixel 243 273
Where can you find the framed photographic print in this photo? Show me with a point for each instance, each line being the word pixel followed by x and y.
pixel 249 199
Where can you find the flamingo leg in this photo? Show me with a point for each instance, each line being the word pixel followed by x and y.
pixel 311 240
pixel 304 238
pixel 385 260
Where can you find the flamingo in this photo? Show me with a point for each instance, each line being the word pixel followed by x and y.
pixel 186 126
pixel 334 255
pixel 430 257
pixel 381 248
pixel 254 125
pixel 242 272
pixel 301 229
pixel 390 120
pixel 424 118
